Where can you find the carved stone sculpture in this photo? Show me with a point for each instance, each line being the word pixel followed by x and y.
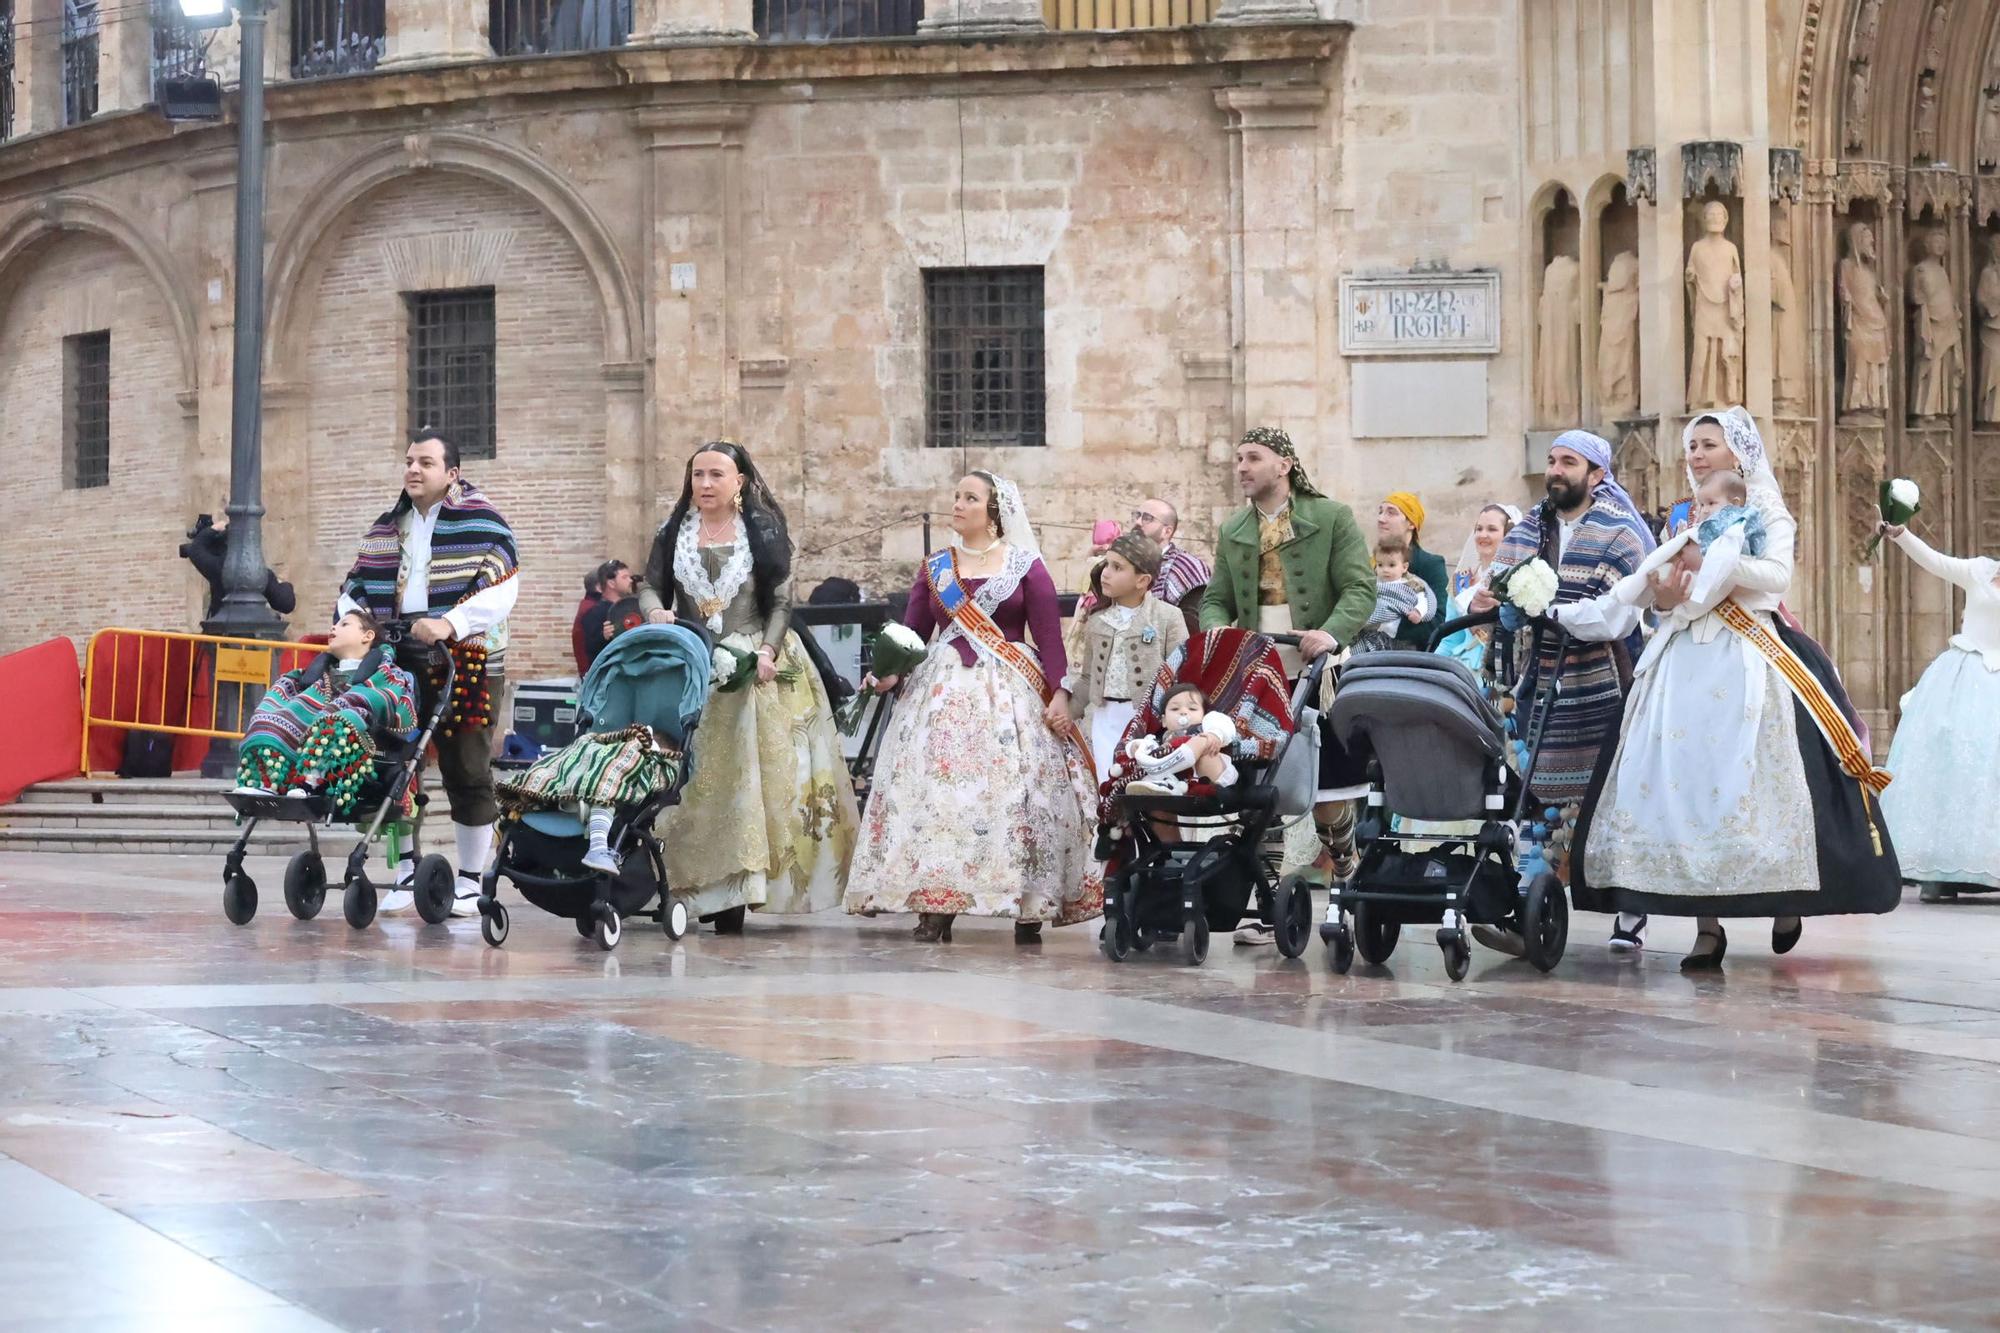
pixel 1925 134
pixel 1934 34
pixel 1857 107
pixel 1865 28
pixel 1714 278
pixel 1937 357
pixel 1558 376
pixel 1618 338
pixel 1989 130
pixel 1987 298
pixel 1864 325
pixel 1788 316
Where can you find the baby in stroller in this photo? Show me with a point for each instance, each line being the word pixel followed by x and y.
pixel 1190 740
pixel 317 728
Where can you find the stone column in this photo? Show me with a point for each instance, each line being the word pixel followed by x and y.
pixel 38 96
pixel 981 18
pixel 692 22
pixel 696 219
pixel 1274 186
pixel 124 60
pixel 433 32
pixel 629 517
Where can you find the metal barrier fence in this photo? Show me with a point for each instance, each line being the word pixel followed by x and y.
pixel 177 684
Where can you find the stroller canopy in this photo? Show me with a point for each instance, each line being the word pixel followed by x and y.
pixel 657 675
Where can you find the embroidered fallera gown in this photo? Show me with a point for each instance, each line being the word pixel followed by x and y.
pixel 978 808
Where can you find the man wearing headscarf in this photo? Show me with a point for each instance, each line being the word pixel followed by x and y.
pixel 1293 561
pixel 1591 533
pixel 1401 516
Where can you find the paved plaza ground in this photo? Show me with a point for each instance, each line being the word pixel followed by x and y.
pixel 820 1125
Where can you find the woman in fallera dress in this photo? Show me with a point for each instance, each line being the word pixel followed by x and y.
pixel 984 801
pixel 767 822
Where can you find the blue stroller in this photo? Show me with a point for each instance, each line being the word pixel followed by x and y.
pixel 652 675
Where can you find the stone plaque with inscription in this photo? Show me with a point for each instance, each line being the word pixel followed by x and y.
pixel 1420 314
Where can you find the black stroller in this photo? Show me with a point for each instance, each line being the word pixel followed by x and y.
pixel 394 785
pixel 657 675
pixel 1442 752
pixel 1156 890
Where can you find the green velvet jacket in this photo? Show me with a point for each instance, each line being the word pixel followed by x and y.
pixel 1329 577
pixel 1429 567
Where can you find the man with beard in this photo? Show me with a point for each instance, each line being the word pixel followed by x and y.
pixel 1591 533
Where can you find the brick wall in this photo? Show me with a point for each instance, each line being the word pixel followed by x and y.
pixel 441 230
pixel 78 560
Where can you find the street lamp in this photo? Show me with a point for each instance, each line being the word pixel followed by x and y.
pixel 243 611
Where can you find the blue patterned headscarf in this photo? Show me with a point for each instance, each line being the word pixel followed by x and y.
pixel 1596 450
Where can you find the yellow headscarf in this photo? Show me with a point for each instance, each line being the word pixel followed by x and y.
pixel 1412 507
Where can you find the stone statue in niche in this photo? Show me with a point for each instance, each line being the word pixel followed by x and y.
pixel 1857 106
pixel 1558 373
pixel 1714 278
pixel 1934 34
pixel 1788 316
pixel 1618 338
pixel 1865 28
pixel 1937 359
pixel 1987 299
pixel 1864 325
pixel 1989 129
pixel 1925 134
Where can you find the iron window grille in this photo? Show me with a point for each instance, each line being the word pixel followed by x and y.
pixel 983 343
pixel 834 20
pixel 6 69
pixel 79 60
pixel 545 27
pixel 332 37
pixel 454 384
pixel 87 410
pixel 179 51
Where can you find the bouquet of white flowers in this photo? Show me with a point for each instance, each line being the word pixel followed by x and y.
pixel 734 663
pixel 1530 586
pixel 1900 503
pixel 895 651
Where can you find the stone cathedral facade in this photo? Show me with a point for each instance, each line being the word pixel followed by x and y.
pixel 1083 243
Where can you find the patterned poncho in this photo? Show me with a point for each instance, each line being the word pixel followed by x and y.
pixel 325 728
pixel 1606 546
pixel 472 549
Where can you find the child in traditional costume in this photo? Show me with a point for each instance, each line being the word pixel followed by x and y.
pixel 1118 645
pixel 1191 740
pixel 315 730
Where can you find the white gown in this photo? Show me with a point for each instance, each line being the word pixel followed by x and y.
pixel 1946 756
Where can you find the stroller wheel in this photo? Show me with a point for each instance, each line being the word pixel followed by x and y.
pixel 1291 915
pixel 305 885
pixel 358 903
pixel 585 924
pixel 239 899
pixel 1114 939
pixel 1194 940
pixel 1340 949
pixel 1374 937
pixel 1457 953
pixel 493 925
pixel 674 917
pixel 609 929
pixel 1545 921
pixel 433 889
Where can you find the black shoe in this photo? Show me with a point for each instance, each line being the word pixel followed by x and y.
pixel 1783 940
pixel 1027 932
pixel 1707 962
pixel 1628 941
pixel 1932 892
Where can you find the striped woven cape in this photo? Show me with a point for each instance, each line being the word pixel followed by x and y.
pixel 472 549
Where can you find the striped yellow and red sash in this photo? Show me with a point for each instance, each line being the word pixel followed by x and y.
pixel 941 570
pixel 1805 686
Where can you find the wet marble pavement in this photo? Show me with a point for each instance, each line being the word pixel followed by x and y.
pixel 292 1126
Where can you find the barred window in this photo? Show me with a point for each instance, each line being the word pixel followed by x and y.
pixel 87 410
pixel 453 383
pixel 79 60
pixel 543 27
pixel 6 68
pixel 332 37
pixel 983 341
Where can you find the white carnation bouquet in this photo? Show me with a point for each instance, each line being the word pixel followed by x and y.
pixel 1530 586
pixel 1901 502
pixel 734 664
pixel 896 650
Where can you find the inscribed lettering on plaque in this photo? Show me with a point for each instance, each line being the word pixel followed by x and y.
pixel 1420 314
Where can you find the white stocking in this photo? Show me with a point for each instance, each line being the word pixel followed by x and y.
pixel 475 847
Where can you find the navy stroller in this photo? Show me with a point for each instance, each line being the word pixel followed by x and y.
pixel 655 675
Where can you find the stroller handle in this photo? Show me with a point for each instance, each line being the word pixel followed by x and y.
pixel 1451 627
pixel 1308 686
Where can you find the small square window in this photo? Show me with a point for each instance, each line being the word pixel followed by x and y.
pixel 454 386
pixel 983 345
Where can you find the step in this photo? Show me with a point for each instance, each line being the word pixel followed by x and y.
pixel 82 814
pixel 266 840
pixel 190 791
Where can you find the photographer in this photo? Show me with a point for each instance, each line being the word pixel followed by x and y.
pixel 206 548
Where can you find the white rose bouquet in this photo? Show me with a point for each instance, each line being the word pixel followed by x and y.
pixel 1530 586
pixel 734 663
pixel 896 650
pixel 1900 502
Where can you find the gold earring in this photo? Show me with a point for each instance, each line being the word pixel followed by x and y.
pixel 739 502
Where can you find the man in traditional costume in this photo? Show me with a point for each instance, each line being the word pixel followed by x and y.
pixel 1293 561
pixel 443 558
pixel 1591 533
